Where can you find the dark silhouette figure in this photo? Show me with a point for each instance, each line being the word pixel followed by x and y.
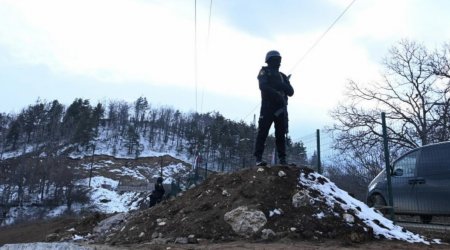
pixel 157 193
pixel 275 89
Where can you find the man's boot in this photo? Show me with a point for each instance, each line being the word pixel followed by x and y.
pixel 260 162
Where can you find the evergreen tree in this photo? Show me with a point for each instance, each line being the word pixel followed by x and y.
pixel 13 134
pixel 132 139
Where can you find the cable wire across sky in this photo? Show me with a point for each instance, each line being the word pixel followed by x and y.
pixel 321 37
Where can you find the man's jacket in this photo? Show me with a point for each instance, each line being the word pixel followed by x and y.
pixel 275 89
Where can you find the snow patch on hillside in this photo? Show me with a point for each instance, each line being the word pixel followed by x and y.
pixel 104 197
pixel 105 146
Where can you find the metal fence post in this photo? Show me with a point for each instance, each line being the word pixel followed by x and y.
pixel 319 163
pixel 388 167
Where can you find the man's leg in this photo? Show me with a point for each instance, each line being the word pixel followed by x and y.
pixel 264 124
pixel 280 138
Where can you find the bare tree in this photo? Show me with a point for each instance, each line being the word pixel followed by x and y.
pixel 414 98
pixel 414 94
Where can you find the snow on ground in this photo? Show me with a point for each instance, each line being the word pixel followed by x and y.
pixel 106 199
pixel 104 145
pixel 172 170
pixel 125 171
pixel 17 153
pixel 381 226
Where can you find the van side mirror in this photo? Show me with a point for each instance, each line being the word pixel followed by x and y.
pixel 398 172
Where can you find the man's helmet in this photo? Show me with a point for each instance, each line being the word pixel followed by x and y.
pixel 159 180
pixel 272 53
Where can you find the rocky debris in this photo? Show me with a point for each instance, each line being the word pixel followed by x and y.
pixel 276 211
pixel 192 239
pixel 281 173
pixel 44 246
pixel 109 223
pixel 244 221
pixel 302 205
pixel 181 240
pixel 267 234
pixel 77 229
pixel 52 237
pixel 302 199
pixel 349 218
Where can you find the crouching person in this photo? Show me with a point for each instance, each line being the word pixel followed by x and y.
pixel 157 193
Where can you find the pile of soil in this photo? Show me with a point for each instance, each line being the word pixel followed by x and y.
pixel 199 212
pixel 58 229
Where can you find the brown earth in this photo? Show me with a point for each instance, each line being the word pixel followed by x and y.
pixel 200 212
pixel 39 230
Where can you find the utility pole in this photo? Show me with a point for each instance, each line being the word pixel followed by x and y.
pixel 92 163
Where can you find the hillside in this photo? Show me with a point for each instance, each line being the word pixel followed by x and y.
pixel 117 184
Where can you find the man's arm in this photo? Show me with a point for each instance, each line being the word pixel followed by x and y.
pixel 287 87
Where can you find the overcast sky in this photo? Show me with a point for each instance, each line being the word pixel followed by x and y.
pixel 124 49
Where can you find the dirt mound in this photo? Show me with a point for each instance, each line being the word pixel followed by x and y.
pixel 275 191
pixel 57 229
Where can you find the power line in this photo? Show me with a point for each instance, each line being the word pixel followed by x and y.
pixel 195 54
pixel 249 113
pixel 209 21
pixel 314 45
pixel 321 37
pixel 207 47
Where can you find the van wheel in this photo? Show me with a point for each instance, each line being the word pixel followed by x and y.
pixel 377 201
pixel 426 219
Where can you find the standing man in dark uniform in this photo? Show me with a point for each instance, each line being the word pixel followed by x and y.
pixel 275 89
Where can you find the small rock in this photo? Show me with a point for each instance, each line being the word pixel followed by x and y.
pixel 260 170
pixel 267 234
pixel 181 240
pixel 302 199
pixel 349 218
pixel 155 235
pixel 293 229
pixel 52 237
pixel 225 193
pixel 281 173
pixel 357 237
pixel 277 211
pixel 141 234
pixel 161 222
pixel 109 224
pixel 160 241
pixel 192 240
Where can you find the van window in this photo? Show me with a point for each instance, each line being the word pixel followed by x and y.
pixel 408 164
pixel 435 160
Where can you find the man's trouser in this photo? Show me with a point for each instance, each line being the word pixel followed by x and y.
pixel 265 121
